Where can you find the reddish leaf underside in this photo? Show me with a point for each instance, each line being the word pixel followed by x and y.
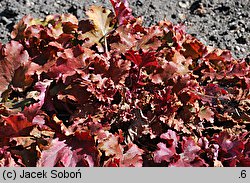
pixel 107 91
pixel 12 57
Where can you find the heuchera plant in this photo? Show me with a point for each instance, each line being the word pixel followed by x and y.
pixel 107 91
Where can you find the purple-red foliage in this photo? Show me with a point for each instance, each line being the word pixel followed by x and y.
pixel 107 91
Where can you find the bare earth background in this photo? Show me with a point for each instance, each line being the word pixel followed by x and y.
pixel 220 23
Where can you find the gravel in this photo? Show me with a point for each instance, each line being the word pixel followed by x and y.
pixel 220 23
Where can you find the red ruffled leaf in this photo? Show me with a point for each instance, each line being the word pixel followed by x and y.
pixel 107 91
pixel 144 59
pixel 59 154
pixel 190 148
pixel 230 147
pixel 12 57
pixel 13 125
pixel 164 153
pixel 122 11
pixel 6 160
pixel 117 157
pixel 132 157
pixel 207 114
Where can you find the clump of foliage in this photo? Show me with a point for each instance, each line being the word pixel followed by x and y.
pixel 107 91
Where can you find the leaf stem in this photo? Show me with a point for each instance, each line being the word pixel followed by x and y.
pixel 106 46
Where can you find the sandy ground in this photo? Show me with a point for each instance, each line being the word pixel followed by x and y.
pixel 219 23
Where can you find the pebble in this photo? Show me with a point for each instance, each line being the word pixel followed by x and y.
pixel 227 37
pixel 242 29
pixel 241 22
pixel 238 33
pixel 243 50
pixel 139 3
pixel 222 46
pixel 237 48
pixel 233 26
pixel 182 16
pixel 248 25
pixel 184 4
pixel 56 4
pixel 45 12
pixel 27 3
pixel 228 47
pixel 5 20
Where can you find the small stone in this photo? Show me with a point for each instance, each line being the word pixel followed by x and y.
pixel 27 3
pixel 152 6
pixel 184 4
pixel 243 50
pixel 56 4
pixel 242 29
pixel 233 26
pixel 237 48
pixel 248 27
pixel 138 3
pixel 182 16
pixel 227 37
pixel 228 47
pixel 198 8
pixel 238 33
pixel 5 20
pixel 45 12
pixel 241 22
